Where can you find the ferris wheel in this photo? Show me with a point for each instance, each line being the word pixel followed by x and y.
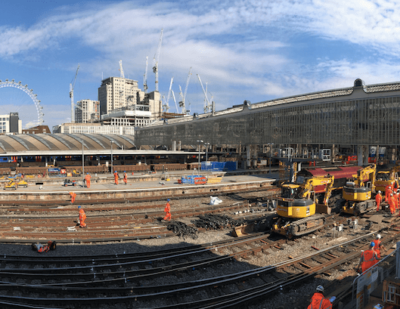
pixel 29 92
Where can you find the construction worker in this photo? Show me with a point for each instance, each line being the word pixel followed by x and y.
pixel 378 245
pixel 73 196
pixel 87 179
pixel 167 211
pixel 396 199
pixel 392 204
pixel 378 199
pixel 125 178
pixel 318 300
pixel 115 177
pixel 51 245
pixel 388 191
pixel 82 217
pixel 368 258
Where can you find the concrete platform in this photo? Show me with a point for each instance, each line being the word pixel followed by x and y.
pixel 135 190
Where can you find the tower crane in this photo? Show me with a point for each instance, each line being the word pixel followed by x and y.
pixel 71 95
pixel 176 105
pixel 207 106
pixel 166 105
pixel 121 70
pixel 157 58
pixel 182 103
pixel 145 87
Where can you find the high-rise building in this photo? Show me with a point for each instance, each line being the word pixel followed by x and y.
pixel 4 123
pixel 87 111
pixel 118 92
pixel 10 123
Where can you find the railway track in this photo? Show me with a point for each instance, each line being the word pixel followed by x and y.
pixel 92 285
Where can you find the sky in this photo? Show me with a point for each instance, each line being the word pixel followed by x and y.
pixel 243 50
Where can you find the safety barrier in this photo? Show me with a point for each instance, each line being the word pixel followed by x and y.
pixel 368 281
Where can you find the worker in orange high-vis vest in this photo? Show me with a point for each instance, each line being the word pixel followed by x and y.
pixel 391 204
pixel 368 258
pixel 82 217
pixel 319 301
pixel 398 198
pixel 378 199
pixel 378 245
pixel 388 191
pixel 167 211
pixel 73 196
pixel 115 177
pixel 87 179
pixel 125 178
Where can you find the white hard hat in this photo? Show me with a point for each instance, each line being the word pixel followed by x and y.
pixel 320 288
pixel 390 187
pixel 378 236
pixel 379 192
pixel 391 194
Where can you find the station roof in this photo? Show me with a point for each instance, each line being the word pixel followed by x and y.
pixel 62 144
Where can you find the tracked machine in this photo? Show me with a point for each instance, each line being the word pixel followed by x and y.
pixel 297 207
pixel 13 184
pixel 358 193
pixel 387 178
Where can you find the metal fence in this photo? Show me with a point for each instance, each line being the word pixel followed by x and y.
pixel 369 280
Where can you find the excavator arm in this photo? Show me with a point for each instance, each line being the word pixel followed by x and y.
pixel 329 189
pixel 393 172
pixel 367 172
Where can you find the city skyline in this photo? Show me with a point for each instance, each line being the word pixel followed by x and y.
pixel 244 50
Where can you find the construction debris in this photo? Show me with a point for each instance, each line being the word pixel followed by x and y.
pixel 182 230
pixel 216 222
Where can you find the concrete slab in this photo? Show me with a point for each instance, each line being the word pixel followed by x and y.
pixel 377 218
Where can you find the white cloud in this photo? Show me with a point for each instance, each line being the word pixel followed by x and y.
pixel 220 42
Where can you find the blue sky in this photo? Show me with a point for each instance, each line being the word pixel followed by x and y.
pixel 244 50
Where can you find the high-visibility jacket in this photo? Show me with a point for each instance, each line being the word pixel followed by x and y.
pixel 377 247
pixel 167 208
pixel 82 215
pixel 318 301
pixel 387 193
pixel 368 259
pixel 378 198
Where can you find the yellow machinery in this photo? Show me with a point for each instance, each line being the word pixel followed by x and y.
pixel 358 193
pixel 13 184
pixel 297 207
pixel 387 178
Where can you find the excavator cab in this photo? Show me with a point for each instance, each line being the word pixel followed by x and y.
pixel 358 193
pixel 297 206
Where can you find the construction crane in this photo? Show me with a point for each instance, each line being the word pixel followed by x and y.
pixel 182 103
pixel 157 58
pixel 166 104
pixel 121 70
pixel 207 105
pixel 71 95
pixel 145 87
pixel 176 105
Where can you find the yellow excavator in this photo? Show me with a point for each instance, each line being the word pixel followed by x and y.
pixel 387 178
pixel 297 207
pixel 13 184
pixel 358 193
